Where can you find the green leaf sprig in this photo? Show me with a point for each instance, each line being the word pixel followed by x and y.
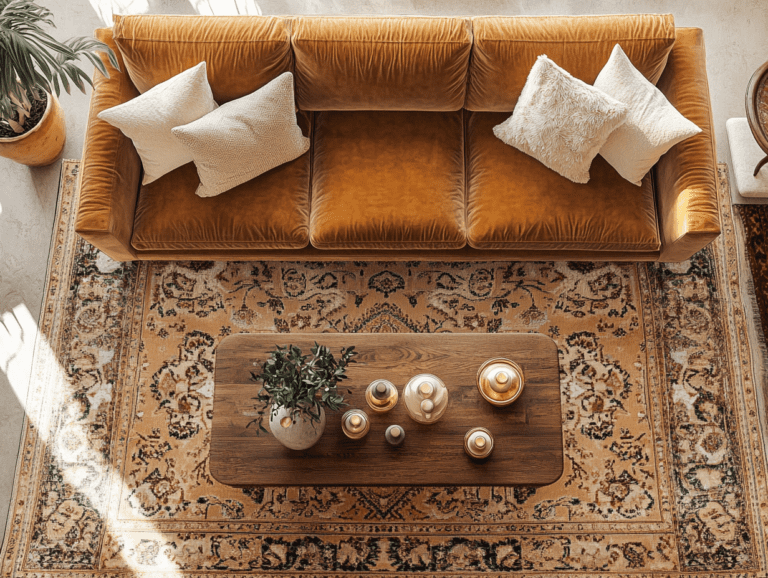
pixel 300 383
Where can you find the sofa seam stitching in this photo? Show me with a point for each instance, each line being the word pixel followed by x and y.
pixel 464 122
pixel 554 41
pixel 170 41
pixel 368 244
pixel 311 115
pixel 220 244
pixel 619 247
pixel 374 41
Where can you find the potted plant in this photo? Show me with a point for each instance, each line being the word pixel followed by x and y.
pixel 34 66
pixel 297 389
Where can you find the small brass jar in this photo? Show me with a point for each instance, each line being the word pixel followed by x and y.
pixel 381 395
pixel 500 381
pixel 355 424
pixel 478 443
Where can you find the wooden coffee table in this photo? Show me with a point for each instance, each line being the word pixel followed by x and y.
pixel 528 434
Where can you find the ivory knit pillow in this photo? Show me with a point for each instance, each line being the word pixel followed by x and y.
pixel 561 121
pixel 245 137
pixel 653 125
pixel 148 119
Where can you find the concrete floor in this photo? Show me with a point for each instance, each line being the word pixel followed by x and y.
pixel 736 39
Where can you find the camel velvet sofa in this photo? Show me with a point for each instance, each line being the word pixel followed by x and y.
pixel 403 163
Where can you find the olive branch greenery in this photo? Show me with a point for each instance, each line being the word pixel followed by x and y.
pixel 31 59
pixel 300 383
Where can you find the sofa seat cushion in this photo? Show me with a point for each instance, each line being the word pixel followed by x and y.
pixel 515 202
pixel 388 180
pixel 268 212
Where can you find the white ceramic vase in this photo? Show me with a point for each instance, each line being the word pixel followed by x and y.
pixel 299 434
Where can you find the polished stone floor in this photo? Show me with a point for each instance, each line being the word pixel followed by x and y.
pixel 735 32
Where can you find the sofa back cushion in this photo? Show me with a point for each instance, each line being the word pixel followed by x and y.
pixel 381 63
pixel 243 53
pixel 505 49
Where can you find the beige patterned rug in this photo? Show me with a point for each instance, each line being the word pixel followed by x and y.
pixel 664 472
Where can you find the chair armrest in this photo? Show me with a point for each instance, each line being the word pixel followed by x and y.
pixel 686 176
pixel 111 168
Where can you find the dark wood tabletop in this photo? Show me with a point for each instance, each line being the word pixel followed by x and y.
pixel 528 446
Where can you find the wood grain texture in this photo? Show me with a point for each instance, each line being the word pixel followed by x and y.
pixel 757 105
pixel 528 448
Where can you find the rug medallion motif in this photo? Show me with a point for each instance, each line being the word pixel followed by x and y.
pixel 664 463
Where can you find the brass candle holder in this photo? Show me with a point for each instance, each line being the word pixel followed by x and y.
pixel 500 381
pixel 355 424
pixel 381 395
pixel 478 443
pixel 395 435
pixel 426 398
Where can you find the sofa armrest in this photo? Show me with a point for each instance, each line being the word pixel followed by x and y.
pixel 686 176
pixel 111 168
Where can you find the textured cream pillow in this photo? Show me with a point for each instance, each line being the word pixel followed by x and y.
pixel 560 120
pixel 245 138
pixel 148 119
pixel 653 125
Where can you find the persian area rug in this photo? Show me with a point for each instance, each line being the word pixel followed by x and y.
pixel 665 471
pixel 754 220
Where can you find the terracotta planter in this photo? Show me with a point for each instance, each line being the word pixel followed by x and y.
pixel 43 144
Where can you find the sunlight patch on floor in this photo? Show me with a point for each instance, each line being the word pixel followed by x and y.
pixel 106 8
pixel 17 341
pixel 20 342
pixel 226 7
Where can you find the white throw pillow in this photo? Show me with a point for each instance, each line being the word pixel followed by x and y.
pixel 245 138
pixel 653 125
pixel 148 119
pixel 560 120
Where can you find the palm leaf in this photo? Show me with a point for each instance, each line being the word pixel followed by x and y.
pixel 15 126
pixel 32 59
